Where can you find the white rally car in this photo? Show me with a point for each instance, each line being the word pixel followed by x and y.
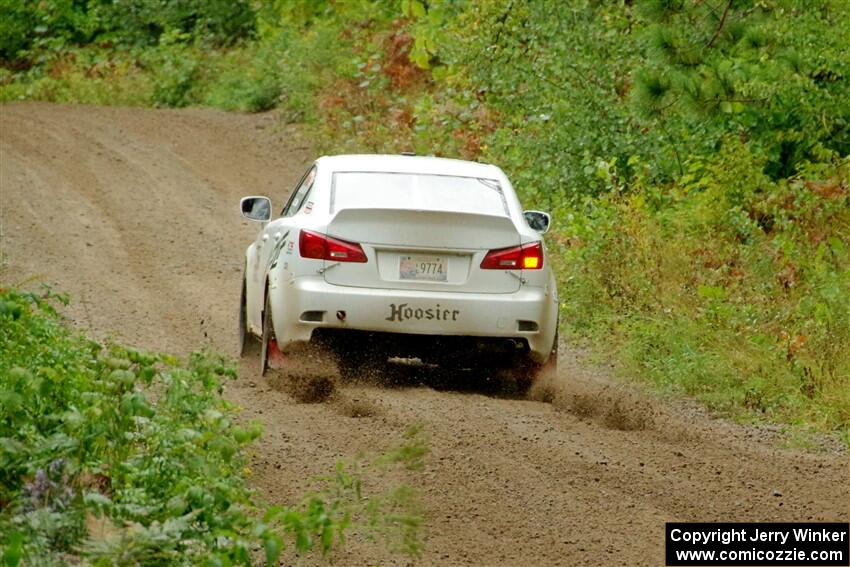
pixel 378 257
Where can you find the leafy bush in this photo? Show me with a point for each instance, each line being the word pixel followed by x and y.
pixel 133 437
pixel 249 80
pixel 733 290
pixel 219 22
pixel 176 67
pixel 17 28
pixel 55 25
pixel 124 457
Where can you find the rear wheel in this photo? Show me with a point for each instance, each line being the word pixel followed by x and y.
pixel 526 372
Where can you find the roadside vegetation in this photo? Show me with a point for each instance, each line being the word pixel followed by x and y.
pixel 114 456
pixel 696 155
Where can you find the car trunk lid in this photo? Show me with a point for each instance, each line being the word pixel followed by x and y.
pixel 423 250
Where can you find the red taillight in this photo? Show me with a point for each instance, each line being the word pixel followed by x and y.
pixel 526 257
pixel 321 247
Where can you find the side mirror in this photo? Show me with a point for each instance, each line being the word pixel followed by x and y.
pixel 538 220
pixel 256 208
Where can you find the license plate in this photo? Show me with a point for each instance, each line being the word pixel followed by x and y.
pixel 423 268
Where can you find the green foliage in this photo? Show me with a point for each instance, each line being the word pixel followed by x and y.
pixel 124 457
pixel 248 81
pixel 138 52
pixel 220 22
pixel 770 71
pixel 411 452
pixel 29 28
pixel 136 438
pixel 18 25
pixel 732 289
pixel 43 25
pixel 559 81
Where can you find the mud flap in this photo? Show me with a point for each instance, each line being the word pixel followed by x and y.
pixel 276 359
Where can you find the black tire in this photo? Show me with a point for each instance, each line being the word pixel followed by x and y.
pixel 268 334
pixel 552 364
pixel 248 343
pixel 526 372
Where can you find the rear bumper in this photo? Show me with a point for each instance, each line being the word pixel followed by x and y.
pixel 301 305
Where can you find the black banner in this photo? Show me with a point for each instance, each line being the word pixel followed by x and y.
pixel 757 544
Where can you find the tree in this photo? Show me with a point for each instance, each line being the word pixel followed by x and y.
pixel 767 70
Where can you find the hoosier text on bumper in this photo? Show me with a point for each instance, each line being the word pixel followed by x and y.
pixel 403 312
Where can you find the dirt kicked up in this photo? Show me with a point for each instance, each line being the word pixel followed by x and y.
pixel 134 214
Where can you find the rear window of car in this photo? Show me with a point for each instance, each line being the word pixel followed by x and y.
pixel 416 191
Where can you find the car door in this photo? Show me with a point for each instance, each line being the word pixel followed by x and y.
pixel 271 240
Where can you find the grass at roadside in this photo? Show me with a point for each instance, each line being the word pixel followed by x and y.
pixel 701 300
pixel 115 456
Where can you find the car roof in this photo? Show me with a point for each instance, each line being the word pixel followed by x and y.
pixel 408 164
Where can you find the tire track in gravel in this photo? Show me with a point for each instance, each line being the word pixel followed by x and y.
pixel 133 212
